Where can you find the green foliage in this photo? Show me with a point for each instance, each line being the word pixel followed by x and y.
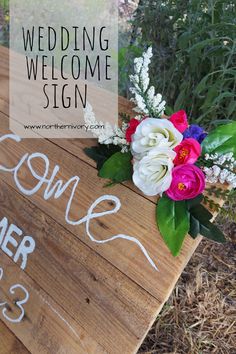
pixel 4 22
pixel 176 219
pixel 194 64
pixel 218 192
pixel 112 164
pixel 211 204
pixel 221 140
pixel 124 117
pixel 117 168
pixel 173 222
pixel 200 224
pixel 4 4
pixel 101 153
pixel 228 213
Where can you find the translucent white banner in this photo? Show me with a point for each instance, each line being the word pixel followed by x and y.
pixel 63 58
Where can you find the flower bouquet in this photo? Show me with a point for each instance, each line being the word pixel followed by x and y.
pixel 167 157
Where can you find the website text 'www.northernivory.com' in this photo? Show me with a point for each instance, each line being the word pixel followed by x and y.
pixel 57 126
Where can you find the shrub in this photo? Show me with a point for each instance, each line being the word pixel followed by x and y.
pixel 4 22
pixel 194 64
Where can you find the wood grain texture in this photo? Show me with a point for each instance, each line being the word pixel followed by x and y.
pixel 136 217
pixel 9 344
pixel 45 328
pixel 84 297
pixel 88 288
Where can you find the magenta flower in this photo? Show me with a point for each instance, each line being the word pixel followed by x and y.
pixel 179 120
pixel 188 151
pixel 188 181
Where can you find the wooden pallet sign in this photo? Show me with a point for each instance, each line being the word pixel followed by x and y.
pixel 63 289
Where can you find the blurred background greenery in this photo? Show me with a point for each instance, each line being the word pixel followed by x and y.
pixel 194 64
pixel 4 22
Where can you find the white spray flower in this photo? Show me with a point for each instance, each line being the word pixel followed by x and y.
pixel 144 96
pixel 106 133
pixel 222 169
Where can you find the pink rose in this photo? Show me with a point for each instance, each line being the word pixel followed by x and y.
pixel 188 151
pixel 179 120
pixel 133 123
pixel 188 181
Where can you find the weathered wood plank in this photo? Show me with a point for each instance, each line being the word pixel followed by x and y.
pixel 45 328
pixel 9 344
pixel 136 217
pixel 91 290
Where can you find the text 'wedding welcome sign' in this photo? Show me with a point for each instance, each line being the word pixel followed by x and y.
pixel 64 56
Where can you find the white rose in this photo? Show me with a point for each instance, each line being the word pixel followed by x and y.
pixel 153 132
pixel 152 174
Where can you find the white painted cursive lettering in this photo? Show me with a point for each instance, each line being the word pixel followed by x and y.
pixel 56 191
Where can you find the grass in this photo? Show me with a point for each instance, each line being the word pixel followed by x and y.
pixel 200 316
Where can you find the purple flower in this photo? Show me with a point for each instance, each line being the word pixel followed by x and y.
pixel 195 132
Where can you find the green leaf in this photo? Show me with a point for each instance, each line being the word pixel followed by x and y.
pixel 117 168
pixel 183 40
pixel 169 111
pixel 222 96
pixel 101 153
pixel 194 230
pixel 196 202
pixel 173 222
pixel 192 202
pixel 181 98
pixel 231 108
pixel 202 85
pixel 200 224
pixel 221 140
pixel 210 96
pixel 203 43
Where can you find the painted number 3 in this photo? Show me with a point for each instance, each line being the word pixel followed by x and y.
pixel 19 303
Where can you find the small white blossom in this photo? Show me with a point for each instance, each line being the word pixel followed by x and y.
pixel 212 179
pixel 221 160
pixel 107 134
pixel 150 94
pixel 208 171
pixel 144 96
pixel 223 175
pixel 222 170
pixel 216 170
